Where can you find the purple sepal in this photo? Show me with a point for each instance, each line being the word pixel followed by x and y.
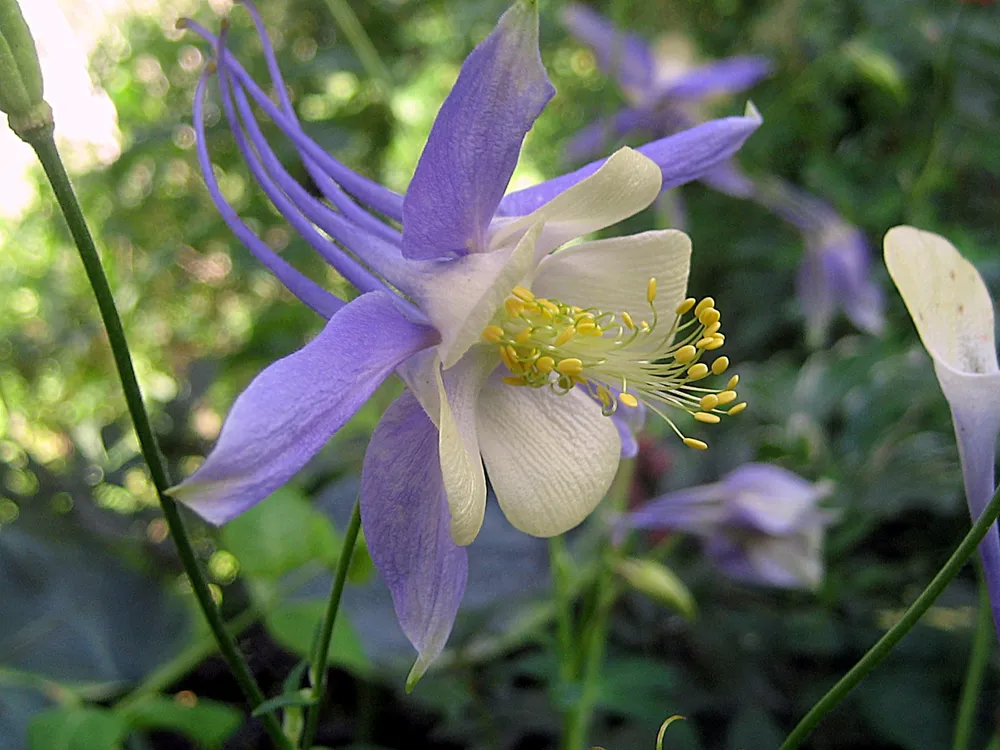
pixel 728 76
pixel 476 139
pixel 682 157
pixel 294 406
pixel 404 512
pixel 624 56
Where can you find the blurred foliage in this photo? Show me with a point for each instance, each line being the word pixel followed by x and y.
pixel 887 110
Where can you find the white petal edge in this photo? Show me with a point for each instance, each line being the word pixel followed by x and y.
pixel 550 458
pixel 624 185
pixel 613 274
pixel 946 297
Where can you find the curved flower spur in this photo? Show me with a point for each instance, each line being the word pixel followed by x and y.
pixel 533 361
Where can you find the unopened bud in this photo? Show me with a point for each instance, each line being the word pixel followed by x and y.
pixel 20 74
pixel 658 581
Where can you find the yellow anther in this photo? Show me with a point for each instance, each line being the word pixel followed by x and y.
pixel 511 364
pixel 693 443
pixel 706 417
pixel 713 329
pixel 546 304
pixel 570 366
pixel 709 402
pixel 737 408
pixel 511 380
pixel 512 353
pixel 493 334
pixel 565 336
pixel 698 371
pixel 629 400
pixel 704 305
pixel 545 365
pixel 708 316
pixel 733 382
pixel 604 396
pixel 514 307
pixel 704 343
pixel 651 290
pixel 643 325
pixel 627 320
pixel 727 397
pixel 720 365
pixel 523 294
pixel 524 336
pixel 586 325
pixel 714 343
pixel 685 354
pixel 686 305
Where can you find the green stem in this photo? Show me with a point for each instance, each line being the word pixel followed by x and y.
pixel 561 577
pixel 359 40
pixel 45 147
pixel 976 671
pixel 885 644
pixel 318 669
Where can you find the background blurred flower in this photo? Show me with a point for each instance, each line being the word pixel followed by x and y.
pixel 760 523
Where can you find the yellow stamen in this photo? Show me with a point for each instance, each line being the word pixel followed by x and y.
pixel 627 320
pixel 565 336
pixel 733 382
pixel 709 316
pixel 686 305
pixel 629 400
pixel 493 334
pixel 550 306
pixel 514 307
pixel 692 443
pixel 713 329
pixel 727 397
pixel 523 294
pixel 706 303
pixel 707 418
pixel 714 343
pixel 709 402
pixel 570 366
pixel 698 371
pixel 510 380
pixel 737 408
pixel 545 364
pixel 685 354
pixel 524 336
pixel 720 365
pixel 651 290
pixel 704 343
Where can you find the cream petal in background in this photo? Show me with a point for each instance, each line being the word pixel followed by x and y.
pixel 946 297
pixel 624 185
pixel 550 458
pixel 612 274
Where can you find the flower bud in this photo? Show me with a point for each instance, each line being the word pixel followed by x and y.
pixel 658 581
pixel 20 74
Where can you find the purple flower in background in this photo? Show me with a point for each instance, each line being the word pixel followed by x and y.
pixel 514 355
pixel 835 271
pixel 953 313
pixel 760 523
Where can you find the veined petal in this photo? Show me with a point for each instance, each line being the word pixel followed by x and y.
pixel 461 296
pixel 729 76
pixel 612 274
pixel 625 183
pixel 405 517
pixel 550 458
pixel 292 408
pixel 476 139
pixel 461 464
pixel 681 158
pixel 946 297
pixel 624 56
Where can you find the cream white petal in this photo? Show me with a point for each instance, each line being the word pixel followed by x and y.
pixel 613 274
pixel 946 297
pixel 624 185
pixel 460 296
pixel 458 444
pixel 550 458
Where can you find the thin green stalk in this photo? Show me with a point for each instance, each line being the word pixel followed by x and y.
pixel 559 565
pixel 978 658
pixel 318 667
pixel 45 147
pixel 359 40
pixel 885 644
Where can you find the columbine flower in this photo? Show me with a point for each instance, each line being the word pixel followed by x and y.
pixel 760 523
pixel 514 355
pixel 665 95
pixel 953 313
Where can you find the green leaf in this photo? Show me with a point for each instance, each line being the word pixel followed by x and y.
pixel 76 729
pixel 280 534
pixel 294 626
pixel 283 701
pixel 207 722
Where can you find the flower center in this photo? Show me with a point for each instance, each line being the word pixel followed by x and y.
pixel 547 343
